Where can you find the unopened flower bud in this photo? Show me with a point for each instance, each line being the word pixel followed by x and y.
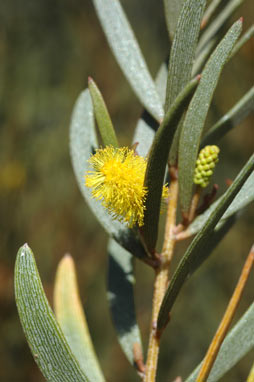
pixel 207 159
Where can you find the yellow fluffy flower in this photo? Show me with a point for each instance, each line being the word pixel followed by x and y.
pixel 118 181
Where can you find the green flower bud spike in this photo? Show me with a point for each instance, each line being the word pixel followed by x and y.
pixel 205 164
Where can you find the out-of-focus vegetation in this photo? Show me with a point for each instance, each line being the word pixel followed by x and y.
pixel 47 51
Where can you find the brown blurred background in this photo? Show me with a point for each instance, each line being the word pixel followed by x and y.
pixel 47 50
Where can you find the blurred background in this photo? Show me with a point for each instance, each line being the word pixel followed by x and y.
pixel 47 51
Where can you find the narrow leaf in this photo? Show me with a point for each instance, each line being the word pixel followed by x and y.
pixel 102 116
pixel 144 134
pixel 161 81
pixel 183 48
pixel 48 345
pixel 214 239
pixel 157 162
pixel 236 345
pixel 172 9
pixel 147 126
pixel 233 117
pixel 211 9
pixel 244 197
pixel 182 56
pixel 242 41
pixel 226 321
pixel 197 112
pixel 121 299
pixel 206 51
pixel 83 142
pixel 218 22
pixel 195 253
pixel 71 318
pixel 126 50
pixel 203 56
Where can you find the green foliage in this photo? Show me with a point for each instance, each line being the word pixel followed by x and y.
pixel 244 197
pixel 238 342
pixel 180 65
pixel 195 253
pixel 120 296
pixel 83 142
pixel 196 115
pixel 157 161
pixel 71 318
pixel 170 140
pixel 172 11
pixel 45 338
pixel 231 119
pixel 128 54
pixel 103 119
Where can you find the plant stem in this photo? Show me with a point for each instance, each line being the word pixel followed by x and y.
pixel 161 282
pixel 187 220
pixel 194 204
pixel 226 320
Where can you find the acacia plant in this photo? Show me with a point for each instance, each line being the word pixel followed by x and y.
pixel 169 165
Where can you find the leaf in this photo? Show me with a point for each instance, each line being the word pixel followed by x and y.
pixel 161 81
pixel 206 51
pixel 157 162
pixel 121 300
pixel 214 239
pixel 211 9
pixel 218 22
pixel 126 50
pixel 147 126
pixel 48 345
pixel 244 197
pixel 102 116
pixel 83 142
pixel 233 117
pixel 183 48
pixel 195 253
pixel 202 57
pixel 172 9
pixel 242 41
pixel 71 318
pixel 182 56
pixel 197 112
pixel 236 345
pixel 144 134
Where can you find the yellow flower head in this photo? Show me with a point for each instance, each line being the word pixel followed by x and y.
pixel 118 181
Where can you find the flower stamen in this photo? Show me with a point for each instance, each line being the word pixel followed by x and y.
pixel 117 180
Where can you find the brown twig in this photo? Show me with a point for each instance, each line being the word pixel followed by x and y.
pixel 226 320
pixel 181 231
pixel 183 235
pixel 161 282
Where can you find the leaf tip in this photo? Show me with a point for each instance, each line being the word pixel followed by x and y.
pixel 23 250
pixel 67 259
pixel 90 80
pixel 67 256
